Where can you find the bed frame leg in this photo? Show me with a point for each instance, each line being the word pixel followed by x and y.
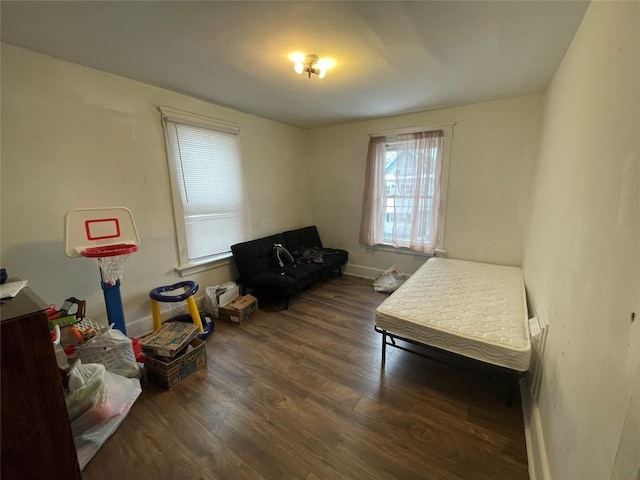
pixel 384 348
pixel 511 391
pixel 509 401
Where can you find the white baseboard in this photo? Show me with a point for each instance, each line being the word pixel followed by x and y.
pixel 140 327
pixel 534 437
pixel 362 271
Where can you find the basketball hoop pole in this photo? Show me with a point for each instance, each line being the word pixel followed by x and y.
pixel 111 263
pixel 113 303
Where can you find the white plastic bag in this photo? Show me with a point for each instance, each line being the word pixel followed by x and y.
pixel 218 295
pixel 389 281
pixel 113 349
pixel 99 401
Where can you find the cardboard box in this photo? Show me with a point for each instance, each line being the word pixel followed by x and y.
pixel 169 339
pixel 238 310
pixel 170 372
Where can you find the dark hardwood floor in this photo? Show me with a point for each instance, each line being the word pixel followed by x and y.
pixel 300 394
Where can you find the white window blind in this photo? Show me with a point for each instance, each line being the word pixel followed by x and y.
pixel 207 177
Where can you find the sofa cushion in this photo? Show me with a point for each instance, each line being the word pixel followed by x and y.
pixel 305 242
pixel 301 238
pixel 271 282
pixel 255 256
pixel 304 275
pixel 333 259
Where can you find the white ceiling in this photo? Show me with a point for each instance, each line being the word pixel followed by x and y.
pixel 390 57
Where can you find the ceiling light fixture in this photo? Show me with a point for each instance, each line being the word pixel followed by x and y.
pixel 311 64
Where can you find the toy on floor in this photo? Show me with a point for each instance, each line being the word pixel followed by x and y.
pixel 166 294
pixel 109 236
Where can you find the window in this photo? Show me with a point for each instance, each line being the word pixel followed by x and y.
pixel 207 186
pixel 405 190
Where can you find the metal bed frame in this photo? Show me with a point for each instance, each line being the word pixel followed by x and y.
pixel 511 377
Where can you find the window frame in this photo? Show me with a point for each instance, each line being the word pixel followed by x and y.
pixel 447 141
pixel 186 266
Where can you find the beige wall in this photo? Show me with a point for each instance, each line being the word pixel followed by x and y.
pixel 76 137
pixel 494 148
pixel 582 255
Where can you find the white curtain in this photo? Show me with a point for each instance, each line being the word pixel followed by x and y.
pixel 402 191
pixel 373 209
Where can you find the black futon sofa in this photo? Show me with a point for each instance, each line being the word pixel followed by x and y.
pixel 262 272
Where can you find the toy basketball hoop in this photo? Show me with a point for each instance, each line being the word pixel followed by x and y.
pixel 109 236
pixel 111 259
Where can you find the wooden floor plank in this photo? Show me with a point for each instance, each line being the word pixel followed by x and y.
pixel 300 393
pixel 283 418
pixel 207 451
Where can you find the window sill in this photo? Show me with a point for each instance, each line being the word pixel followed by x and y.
pixel 381 247
pixel 204 265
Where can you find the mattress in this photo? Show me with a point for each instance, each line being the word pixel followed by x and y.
pixel 473 309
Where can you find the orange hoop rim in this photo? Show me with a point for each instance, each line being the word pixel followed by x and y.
pixel 109 250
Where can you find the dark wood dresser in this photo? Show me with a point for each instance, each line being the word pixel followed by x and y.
pixel 35 434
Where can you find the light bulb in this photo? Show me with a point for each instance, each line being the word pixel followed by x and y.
pixel 299 67
pixel 322 73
